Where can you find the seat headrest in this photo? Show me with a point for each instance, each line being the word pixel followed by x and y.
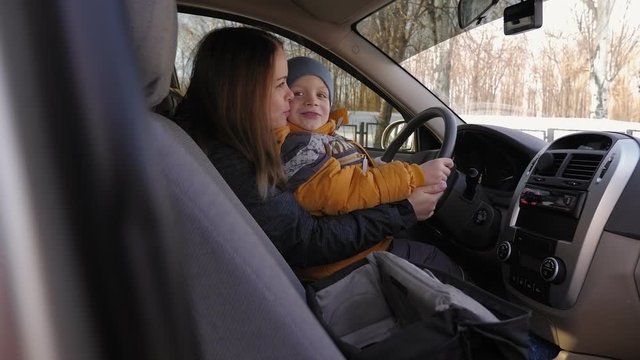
pixel 154 29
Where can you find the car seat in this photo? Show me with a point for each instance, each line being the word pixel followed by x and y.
pixel 245 301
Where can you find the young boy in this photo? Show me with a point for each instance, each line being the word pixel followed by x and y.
pixel 330 174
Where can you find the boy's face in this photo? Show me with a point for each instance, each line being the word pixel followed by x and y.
pixel 310 106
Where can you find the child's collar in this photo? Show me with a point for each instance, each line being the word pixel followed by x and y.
pixel 327 129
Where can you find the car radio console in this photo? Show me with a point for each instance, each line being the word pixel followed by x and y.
pixel 558 214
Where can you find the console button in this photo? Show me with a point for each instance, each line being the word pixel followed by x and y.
pixel 552 270
pixel 604 169
pixel 504 251
pixel 528 285
pixel 481 216
pixel 537 290
pixel 569 200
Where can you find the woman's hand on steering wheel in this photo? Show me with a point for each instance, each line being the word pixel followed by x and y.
pixel 424 199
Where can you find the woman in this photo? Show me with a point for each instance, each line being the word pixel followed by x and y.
pixel 238 94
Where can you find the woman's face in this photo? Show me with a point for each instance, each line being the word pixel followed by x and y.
pixel 281 95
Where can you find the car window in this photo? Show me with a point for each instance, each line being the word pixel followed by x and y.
pixel 579 71
pixel 366 125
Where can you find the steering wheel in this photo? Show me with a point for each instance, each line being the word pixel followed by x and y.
pixel 448 141
pixel 464 209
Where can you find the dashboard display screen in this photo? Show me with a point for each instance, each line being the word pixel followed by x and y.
pixel 550 224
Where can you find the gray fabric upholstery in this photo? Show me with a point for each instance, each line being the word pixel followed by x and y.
pixel 355 308
pixel 245 300
pixel 209 202
pixel 154 34
pixel 424 292
pixel 364 308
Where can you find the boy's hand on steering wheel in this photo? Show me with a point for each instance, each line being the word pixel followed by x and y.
pixel 436 170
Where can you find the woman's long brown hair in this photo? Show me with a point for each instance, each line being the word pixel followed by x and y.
pixel 228 98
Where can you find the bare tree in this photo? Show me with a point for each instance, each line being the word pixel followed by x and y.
pixel 399 32
pixel 561 72
pixel 624 102
pixel 191 29
pixel 488 72
pixel 608 52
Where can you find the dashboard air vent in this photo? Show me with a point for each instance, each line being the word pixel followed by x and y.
pixel 549 163
pixel 582 166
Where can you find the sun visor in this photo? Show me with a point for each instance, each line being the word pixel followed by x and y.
pixel 337 11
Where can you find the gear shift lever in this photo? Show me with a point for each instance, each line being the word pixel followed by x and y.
pixel 472 179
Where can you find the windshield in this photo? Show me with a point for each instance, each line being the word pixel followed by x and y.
pixel 579 71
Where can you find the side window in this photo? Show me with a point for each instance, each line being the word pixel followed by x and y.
pixel 369 114
pixel 192 28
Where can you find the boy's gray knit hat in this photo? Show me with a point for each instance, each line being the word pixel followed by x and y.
pixel 302 65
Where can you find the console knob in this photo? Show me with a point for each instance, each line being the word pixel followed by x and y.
pixel 552 270
pixel 504 251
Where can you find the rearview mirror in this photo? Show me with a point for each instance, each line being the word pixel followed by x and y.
pixel 472 10
pixel 523 16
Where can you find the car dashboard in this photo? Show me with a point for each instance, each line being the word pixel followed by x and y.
pixel 499 163
pixel 562 226
pixel 489 161
pixel 571 243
